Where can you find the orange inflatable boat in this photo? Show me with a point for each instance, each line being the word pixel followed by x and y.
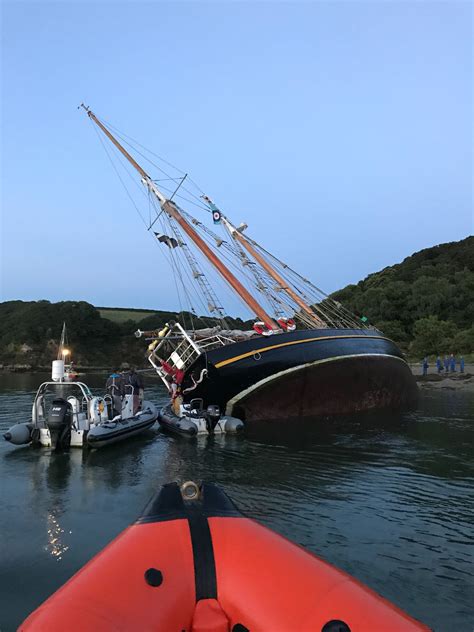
pixel 193 563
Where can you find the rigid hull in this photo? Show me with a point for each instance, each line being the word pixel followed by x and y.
pixel 304 373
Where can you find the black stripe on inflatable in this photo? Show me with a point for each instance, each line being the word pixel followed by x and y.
pixel 203 554
pixel 168 504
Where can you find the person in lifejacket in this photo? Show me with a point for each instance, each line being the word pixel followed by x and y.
pixel 115 388
pixel 174 378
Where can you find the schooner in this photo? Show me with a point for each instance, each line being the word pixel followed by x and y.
pixel 306 355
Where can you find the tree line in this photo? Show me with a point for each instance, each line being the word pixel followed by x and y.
pixel 30 332
pixel 425 303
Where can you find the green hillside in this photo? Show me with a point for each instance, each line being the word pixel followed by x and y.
pixel 122 314
pixel 30 332
pixel 425 303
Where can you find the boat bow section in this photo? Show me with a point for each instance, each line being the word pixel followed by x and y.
pixel 193 562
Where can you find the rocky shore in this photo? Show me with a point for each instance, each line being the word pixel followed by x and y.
pixel 451 381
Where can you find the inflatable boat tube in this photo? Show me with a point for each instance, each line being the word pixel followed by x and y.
pixel 180 425
pixel 192 424
pixel 192 562
pixel 19 434
pixel 107 433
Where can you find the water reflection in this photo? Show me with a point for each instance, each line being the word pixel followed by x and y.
pixel 56 545
pixel 389 498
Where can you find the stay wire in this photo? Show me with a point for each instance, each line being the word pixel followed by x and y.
pixel 119 176
pixel 174 256
pixel 124 137
pixel 174 267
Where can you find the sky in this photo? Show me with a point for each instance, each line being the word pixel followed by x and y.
pixel 341 132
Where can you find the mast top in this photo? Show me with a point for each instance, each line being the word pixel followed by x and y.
pixel 173 211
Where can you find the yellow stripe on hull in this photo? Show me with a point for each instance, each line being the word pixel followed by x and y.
pixel 287 344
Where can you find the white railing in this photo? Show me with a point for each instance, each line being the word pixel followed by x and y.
pixel 184 350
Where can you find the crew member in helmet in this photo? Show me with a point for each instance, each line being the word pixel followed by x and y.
pixel 114 388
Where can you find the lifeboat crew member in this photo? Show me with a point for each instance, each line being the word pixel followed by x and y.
pixel 115 388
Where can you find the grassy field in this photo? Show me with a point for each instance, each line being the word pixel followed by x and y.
pixel 119 315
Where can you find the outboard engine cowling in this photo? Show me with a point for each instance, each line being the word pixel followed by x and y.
pixel 212 415
pixel 59 424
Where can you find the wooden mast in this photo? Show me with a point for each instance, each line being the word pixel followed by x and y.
pixel 172 210
pixel 236 234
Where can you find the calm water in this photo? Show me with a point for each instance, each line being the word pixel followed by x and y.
pixel 390 499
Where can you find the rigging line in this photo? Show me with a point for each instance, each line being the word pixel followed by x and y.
pixel 166 227
pixel 230 261
pixel 221 282
pixel 177 273
pixel 250 285
pixel 121 135
pixel 288 301
pixel 124 164
pixel 320 292
pixel 178 269
pixel 182 197
pixel 330 316
pixel 156 207
pixel 174 279
pixel 201 279
pixel 286 305
pixel 259 279
pixel 144 221
pixel 255 283
pixel 152 153
pixel 149 209
pixel 330 309
pixel 341 311
pixel 140 145
pixel 131 174
pixel 118 175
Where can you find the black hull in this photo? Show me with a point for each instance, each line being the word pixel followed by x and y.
pixel 305 373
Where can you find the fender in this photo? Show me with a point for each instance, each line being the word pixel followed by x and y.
pixel 287 324
pixel 262 328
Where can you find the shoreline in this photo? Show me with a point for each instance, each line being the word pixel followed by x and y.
pixel 27 368
pixel 447 381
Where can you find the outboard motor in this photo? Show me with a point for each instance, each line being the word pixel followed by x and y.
pixel 59 424
pixel 212 415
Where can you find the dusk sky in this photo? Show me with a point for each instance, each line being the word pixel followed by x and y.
pixel 341 132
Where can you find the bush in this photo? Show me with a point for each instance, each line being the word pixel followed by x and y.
pixel 432 336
